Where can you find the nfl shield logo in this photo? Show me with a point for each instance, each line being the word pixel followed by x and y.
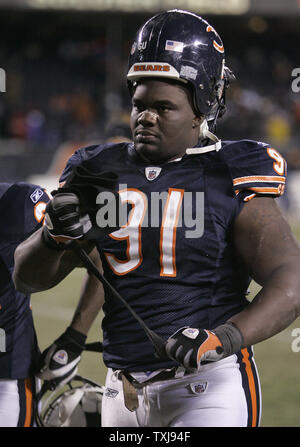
pixel 198 388
pixel 61 357
pixel 152 173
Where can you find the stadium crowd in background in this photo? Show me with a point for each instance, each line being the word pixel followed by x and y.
pixel 56 93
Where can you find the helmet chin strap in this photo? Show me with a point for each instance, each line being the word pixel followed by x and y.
pixel 205 134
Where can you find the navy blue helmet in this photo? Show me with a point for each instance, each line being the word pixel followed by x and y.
pixel 181 45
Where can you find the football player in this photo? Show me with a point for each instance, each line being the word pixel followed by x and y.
pixel 203 223
pixel 22 207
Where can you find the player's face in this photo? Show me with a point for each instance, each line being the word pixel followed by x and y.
pixel 162 120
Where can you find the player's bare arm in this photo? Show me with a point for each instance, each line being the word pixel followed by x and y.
pixel 38 267
pixel 91 299
pixel 266 244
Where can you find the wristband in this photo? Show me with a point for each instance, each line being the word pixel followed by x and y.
pixel 230 337
pixel 76 336
pixel 50 242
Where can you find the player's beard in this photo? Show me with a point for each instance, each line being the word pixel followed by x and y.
pixel 148 148
pixel 152 151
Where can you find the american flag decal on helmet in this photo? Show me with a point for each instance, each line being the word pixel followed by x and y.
pixel 173 45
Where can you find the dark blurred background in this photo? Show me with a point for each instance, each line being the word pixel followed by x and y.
pixel 65 64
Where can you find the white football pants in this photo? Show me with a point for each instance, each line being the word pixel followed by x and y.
pixel 223 394
pixel 16 403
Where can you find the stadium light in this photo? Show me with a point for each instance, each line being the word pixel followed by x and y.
pixel 203 6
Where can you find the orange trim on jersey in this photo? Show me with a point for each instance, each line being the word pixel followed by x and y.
pixel 251 383
pixel 285 167
pixel 266 190
pixel 248 198
pixel 258 178
pixel 127 238
pixel 172 275
pixel 28 394
pixel 39 214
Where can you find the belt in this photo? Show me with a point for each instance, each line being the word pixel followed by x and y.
pixel 166 374
pixel 131 385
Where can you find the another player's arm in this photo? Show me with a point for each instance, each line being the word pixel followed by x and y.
pixel 72 341
pixel 91 299
pixel 38 267
pixel 266 244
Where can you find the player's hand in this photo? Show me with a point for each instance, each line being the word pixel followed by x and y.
pixel 59 362
pixel 63 220
pixel 191 347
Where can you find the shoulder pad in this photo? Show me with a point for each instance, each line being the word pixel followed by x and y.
pixel 256 168
pixel 76 158
pixel 85 154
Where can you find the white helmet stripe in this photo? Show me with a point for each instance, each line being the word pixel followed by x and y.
pixel 150 69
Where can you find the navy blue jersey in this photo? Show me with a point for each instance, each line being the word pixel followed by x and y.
pixel 174 260
pixel 22 208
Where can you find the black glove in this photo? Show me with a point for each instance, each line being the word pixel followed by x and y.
pixel 59 362
pixel 190 347
pixel 72 213
pixel 63 219
pixel 87 186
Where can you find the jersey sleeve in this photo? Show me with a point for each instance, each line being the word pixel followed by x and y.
pixel 76 159
pixel 22 210
pixel 73 161
pixel 34 207
pixel 256 169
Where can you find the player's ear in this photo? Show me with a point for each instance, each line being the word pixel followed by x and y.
pixel 197 121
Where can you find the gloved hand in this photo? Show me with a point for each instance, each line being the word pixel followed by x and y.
pixel 59 362
pixel 73 211
pixel 63 219
pixel 190 347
